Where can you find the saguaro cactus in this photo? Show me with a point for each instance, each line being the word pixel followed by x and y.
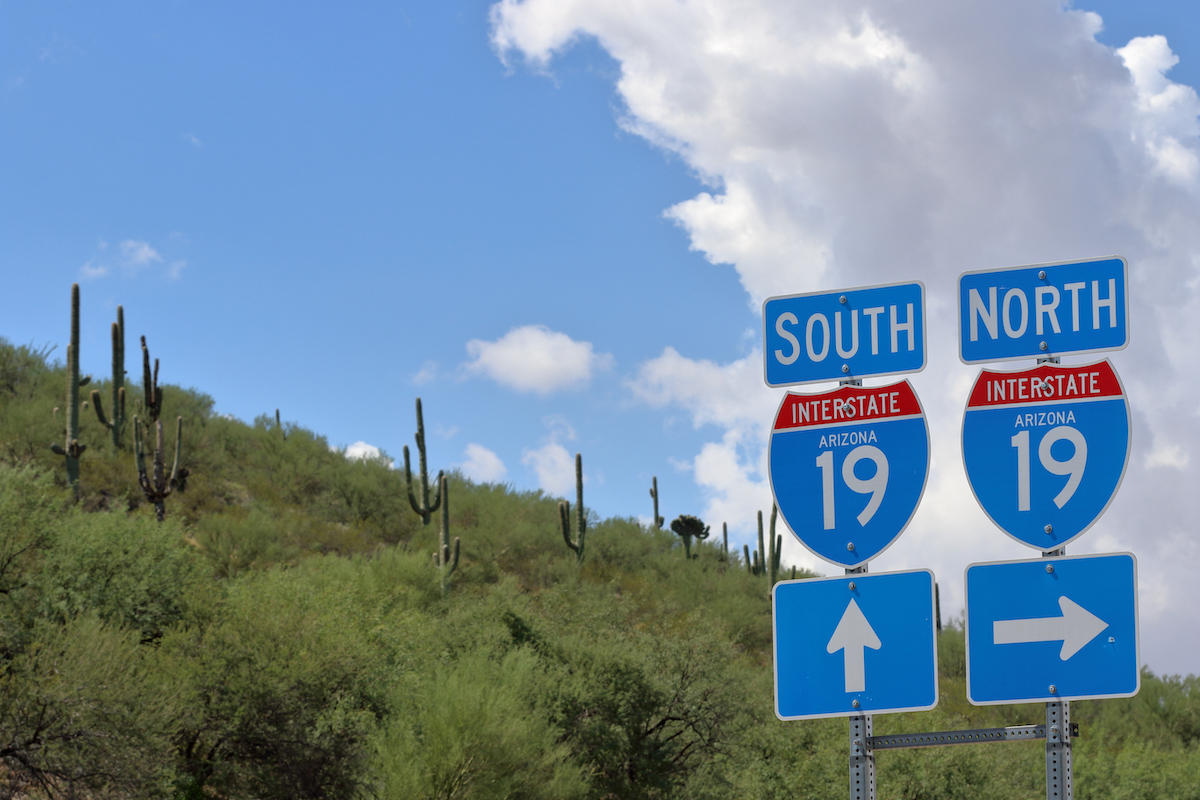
pixel 156 486
pixel 445 559
pixel 424 508
pixel 766 560
pixel 689 527
pixel 658 521
pixel 116 425
pixel 564 513
pixel 71 449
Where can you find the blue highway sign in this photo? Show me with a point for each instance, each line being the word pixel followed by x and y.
pixel 848 467
pixel 1052 629
pixel 853 333
pixel 1045 449
pixel 1043 310
pixel 862 644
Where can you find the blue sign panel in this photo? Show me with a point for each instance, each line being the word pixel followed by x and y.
pixel 1045 449
pixel 854 333
pixel 1052 629
pixel 862 644
pixel 1043 310
pixel 848 467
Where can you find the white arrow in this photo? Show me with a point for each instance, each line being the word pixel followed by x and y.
pixel 853 634
pixel 1075 628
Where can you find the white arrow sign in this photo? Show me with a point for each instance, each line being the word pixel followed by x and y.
pixel 853 634
pixel 1075 628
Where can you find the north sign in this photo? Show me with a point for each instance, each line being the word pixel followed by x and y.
pixel 848 467
pixel 1052 629
pixel 852 333
pixel 1043 310
pixel 855 645
pixel 1045 449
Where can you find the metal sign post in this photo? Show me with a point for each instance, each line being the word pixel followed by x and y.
pixel 862 757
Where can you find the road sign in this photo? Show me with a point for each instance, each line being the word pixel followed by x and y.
pixel 862 644
pixel 1052 629
pixel 1045 449
pixel 852 333
pixel 1043 310
pixel 848 467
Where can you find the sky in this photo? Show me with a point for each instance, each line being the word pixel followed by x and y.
pixel 555 222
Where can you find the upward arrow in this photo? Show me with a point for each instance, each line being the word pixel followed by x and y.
pixel 1075 628
pixel 851 636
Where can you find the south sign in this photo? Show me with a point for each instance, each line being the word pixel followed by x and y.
pixel 848 468
pixel 1046 448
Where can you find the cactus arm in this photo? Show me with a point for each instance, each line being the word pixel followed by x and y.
pixel 725 539
pixel 95 395
pixel 746 553
pixel 437 495
pixel 412 500
pixel 178 446
pixel 762 551
pixel 564 522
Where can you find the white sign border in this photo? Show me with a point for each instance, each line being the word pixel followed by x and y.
pixel 855 712
pixel 963 454
pixel 924 334
pixel 1053 698
pixel 997 271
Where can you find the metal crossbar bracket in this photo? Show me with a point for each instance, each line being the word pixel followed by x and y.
pixel 1014 733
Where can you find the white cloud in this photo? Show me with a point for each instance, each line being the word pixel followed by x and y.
pixel 853 142
pixel 552 463
pixel 483 465
pixel 427 373
pixel 137 254
pixel 534 358
pixel 361 451
pixel 92 270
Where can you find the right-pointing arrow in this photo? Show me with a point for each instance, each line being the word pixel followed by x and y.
pixel 853 633
pixel 1075 628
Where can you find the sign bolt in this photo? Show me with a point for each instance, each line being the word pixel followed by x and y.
pixel 1041 275
pixel 1044 346
pixel 852 587
pixel 1111 639
pixel 1049 529
pixel 855 704
pixel 849 545
pixel 846 368
pixel 1049 568
pixel 1053 689
pixel 842 299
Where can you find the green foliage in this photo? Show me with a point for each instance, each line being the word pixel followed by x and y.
pixel 84 712
pixel 475 731
pixel 282 636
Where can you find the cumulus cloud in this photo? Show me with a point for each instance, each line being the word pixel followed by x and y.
pixel 534 358
pixel 483 465
pixel 552 463
pixel 853 142
pixel 361 451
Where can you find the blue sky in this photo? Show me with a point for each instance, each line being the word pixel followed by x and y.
pixel 555 223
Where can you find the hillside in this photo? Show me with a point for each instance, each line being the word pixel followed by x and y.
pixel 284 633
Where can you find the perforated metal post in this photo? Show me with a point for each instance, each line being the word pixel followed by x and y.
pixel 862 757
pixel 1059 781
